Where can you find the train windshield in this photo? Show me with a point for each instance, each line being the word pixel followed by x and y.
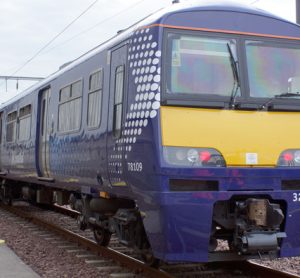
pixel 273 70
pixel 201 66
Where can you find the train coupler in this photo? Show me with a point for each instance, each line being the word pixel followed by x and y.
pixel 257 226
pixel 251 226
pixel 256 242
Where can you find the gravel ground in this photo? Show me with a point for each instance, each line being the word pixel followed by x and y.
pixel 42 256
pixel 291 265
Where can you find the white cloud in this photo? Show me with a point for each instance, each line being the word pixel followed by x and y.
pixel 285 9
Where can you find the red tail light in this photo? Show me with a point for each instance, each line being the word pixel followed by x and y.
pixel 205 156
pixel 289 158
pixel 193 157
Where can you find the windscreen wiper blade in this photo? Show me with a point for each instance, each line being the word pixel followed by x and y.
pixel 297 94
pixel 235 72
pixel 282 95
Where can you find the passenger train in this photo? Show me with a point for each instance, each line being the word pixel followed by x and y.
pixel 179 135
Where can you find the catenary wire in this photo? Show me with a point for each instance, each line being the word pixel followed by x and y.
pixel 79 34
pixel 94 26
pixel 54 38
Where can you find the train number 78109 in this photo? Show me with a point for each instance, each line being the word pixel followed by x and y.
pixel 135 166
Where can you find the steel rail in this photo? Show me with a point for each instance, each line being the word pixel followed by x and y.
pixel 126 261
pixel 66 211
pixel 263 270
pixel 255 268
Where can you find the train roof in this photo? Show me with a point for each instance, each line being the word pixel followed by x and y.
pixel 212 5
pixel 155 18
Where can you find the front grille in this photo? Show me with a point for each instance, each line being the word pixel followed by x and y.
pixel 193 185
pixel 290 185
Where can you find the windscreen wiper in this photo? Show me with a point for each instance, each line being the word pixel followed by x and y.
pixel 236 84
pixel 297 94
pixel 282 95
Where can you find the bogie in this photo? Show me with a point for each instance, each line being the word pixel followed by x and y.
pixel 107 216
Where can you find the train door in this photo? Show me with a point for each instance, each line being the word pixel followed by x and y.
pixel 117 111
pixel 44 135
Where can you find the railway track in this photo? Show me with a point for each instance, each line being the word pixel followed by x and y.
pixel 78 241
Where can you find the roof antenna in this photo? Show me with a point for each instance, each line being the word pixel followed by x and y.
pixel 175 1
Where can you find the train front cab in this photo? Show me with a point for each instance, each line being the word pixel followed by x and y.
pixel 255 208
pixel 229 176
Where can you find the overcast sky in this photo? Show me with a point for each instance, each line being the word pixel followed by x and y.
pixel 26 26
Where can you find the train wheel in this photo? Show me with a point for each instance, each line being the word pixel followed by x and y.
pixel 6 201
pixel 149 259
pixel 81 223
pixel 102 236
pixel 5 195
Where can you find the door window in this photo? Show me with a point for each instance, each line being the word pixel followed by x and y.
pixel 118 100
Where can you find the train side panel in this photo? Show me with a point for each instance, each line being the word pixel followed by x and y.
pixel 18 138
pixel 78 157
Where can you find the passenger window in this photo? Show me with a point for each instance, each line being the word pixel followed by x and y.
pixel 118 101
pixel 95 99
pixel 24 123
pixel 69 111
pixel 11 127
pixel 64 94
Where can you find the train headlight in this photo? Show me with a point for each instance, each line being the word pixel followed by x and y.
pixel 297 157
pixel 289 158
pixel 193 157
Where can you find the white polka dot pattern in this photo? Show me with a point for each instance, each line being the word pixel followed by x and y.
pixel 144 59
pixel 144 70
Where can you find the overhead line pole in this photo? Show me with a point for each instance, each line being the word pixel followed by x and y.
pixel 31 78
pixel 298 11
pixel 21 78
